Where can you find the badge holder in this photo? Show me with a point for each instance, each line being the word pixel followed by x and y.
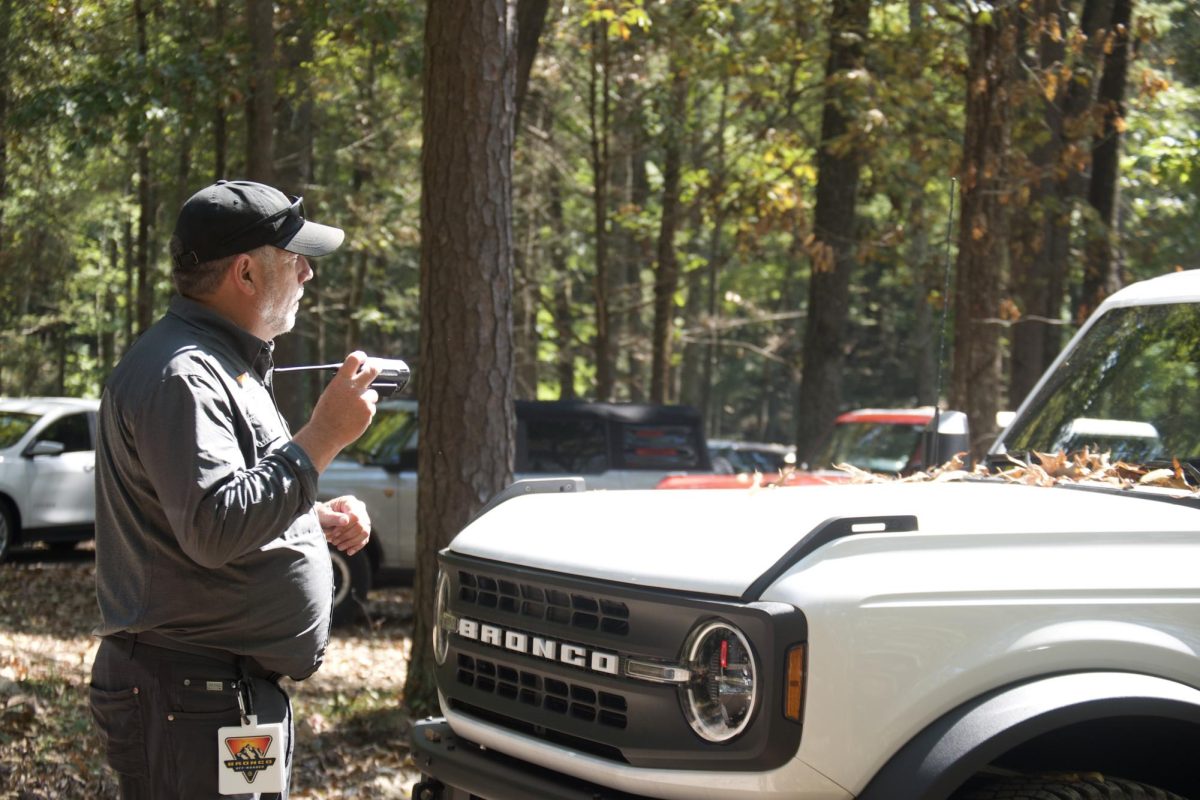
pixel 248 758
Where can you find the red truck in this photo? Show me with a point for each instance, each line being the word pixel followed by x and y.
pixel 886 440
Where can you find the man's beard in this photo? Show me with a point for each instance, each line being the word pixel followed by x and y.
pixel 279 314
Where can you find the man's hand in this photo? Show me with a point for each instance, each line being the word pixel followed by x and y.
pixel 346 524
pixel 343 411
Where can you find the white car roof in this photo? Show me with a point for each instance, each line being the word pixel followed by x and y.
pixel 1174 287
pixel 44 405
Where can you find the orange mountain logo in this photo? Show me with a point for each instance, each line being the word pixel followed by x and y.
pixel 249 755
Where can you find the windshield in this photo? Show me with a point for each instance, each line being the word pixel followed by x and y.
pixel 873 446
pixel 1130 389
pixel 13 426
pixel 383 441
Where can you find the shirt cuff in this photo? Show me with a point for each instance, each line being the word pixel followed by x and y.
pixel 303 466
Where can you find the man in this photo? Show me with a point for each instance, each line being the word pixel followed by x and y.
pixel 212 572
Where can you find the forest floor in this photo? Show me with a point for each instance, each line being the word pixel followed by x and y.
pixel 351 734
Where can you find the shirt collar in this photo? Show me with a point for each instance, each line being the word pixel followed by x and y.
pixel 254 350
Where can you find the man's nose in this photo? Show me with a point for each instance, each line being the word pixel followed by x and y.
pixel 306 270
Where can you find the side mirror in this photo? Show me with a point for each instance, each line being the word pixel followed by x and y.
pixel 951 437
pixel 45 447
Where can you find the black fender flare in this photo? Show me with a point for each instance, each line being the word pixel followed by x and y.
pixel 950 750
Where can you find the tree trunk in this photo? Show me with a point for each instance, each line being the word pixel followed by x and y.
pixel 666 281
pixel 260 99
pixel 531 18
pixel 145 281
pixel 107 355
pixel 465 385
pixel 631 250
pixel 1037 281
pixel 598 117
pixel 1102 265
pixel 563 314
pixel 700 356
pixel 219 111
pixel 834 236
pixel 6 7
pixel 976 385
pixel 130 282
pixel 1078 127
pixel 292 143
pixel 926 333
pixel 526 290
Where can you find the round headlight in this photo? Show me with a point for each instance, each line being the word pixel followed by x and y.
pixel 719 697
pixel 441 607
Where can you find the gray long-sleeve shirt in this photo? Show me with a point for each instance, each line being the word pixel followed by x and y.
pixel 206 531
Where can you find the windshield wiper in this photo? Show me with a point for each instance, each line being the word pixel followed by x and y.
pixel 1009 458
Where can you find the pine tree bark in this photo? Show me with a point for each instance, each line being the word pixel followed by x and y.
pixel 145 196
pixel 531 19
pixel 1037 277
pixel 219 111
pixel 1102 263
pixel 260 100
pixel 976 384
pixel 291 140
pixel 464 378
pixel 598 117
pixel 666 279
pixel 834 244
pixel 6 7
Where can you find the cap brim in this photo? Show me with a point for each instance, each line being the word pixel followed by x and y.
pixel 314 239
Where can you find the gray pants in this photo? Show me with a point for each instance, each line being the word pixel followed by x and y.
pixel 159 710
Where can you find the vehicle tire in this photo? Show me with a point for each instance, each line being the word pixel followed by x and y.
pixel 351 583
pixel 8 529
pixel 1066 786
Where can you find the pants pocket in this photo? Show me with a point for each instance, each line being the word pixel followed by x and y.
pixel 195 749
pixel 118 715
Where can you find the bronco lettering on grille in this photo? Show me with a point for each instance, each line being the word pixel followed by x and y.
pixel 538 646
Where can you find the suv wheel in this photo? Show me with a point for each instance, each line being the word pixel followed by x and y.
pixel 351 583
pixel 8 528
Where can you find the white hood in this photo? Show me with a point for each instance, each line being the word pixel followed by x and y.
pixel 719 541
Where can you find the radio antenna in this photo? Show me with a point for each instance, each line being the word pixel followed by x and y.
pixel 935 444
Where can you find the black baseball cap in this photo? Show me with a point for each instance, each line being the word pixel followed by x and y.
pixel 232 217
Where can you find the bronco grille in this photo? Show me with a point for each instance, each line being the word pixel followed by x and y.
pixel 551 694
pixel 581 611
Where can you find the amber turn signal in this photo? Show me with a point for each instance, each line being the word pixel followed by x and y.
pixel 794 695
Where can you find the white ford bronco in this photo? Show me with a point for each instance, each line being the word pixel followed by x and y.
pixel 971 639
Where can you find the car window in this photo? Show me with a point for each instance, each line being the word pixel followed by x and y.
pixel 875 446
pixel 390 431
pixel 658 447
pixel 1129 390
pixel 13 426
pixel 72 431
pixel 563 445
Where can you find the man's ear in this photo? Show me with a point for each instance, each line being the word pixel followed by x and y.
pixel 242 275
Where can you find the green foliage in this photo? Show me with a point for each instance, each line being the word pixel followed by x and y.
pixel 81 98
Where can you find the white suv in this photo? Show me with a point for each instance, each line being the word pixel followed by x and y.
pixel 47 470
pixel 973 639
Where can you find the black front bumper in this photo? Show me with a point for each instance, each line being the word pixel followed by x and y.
pixel 456 769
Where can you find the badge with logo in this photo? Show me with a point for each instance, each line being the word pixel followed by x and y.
pixel 248 758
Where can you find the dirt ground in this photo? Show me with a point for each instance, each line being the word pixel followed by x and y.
pixel 351 736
